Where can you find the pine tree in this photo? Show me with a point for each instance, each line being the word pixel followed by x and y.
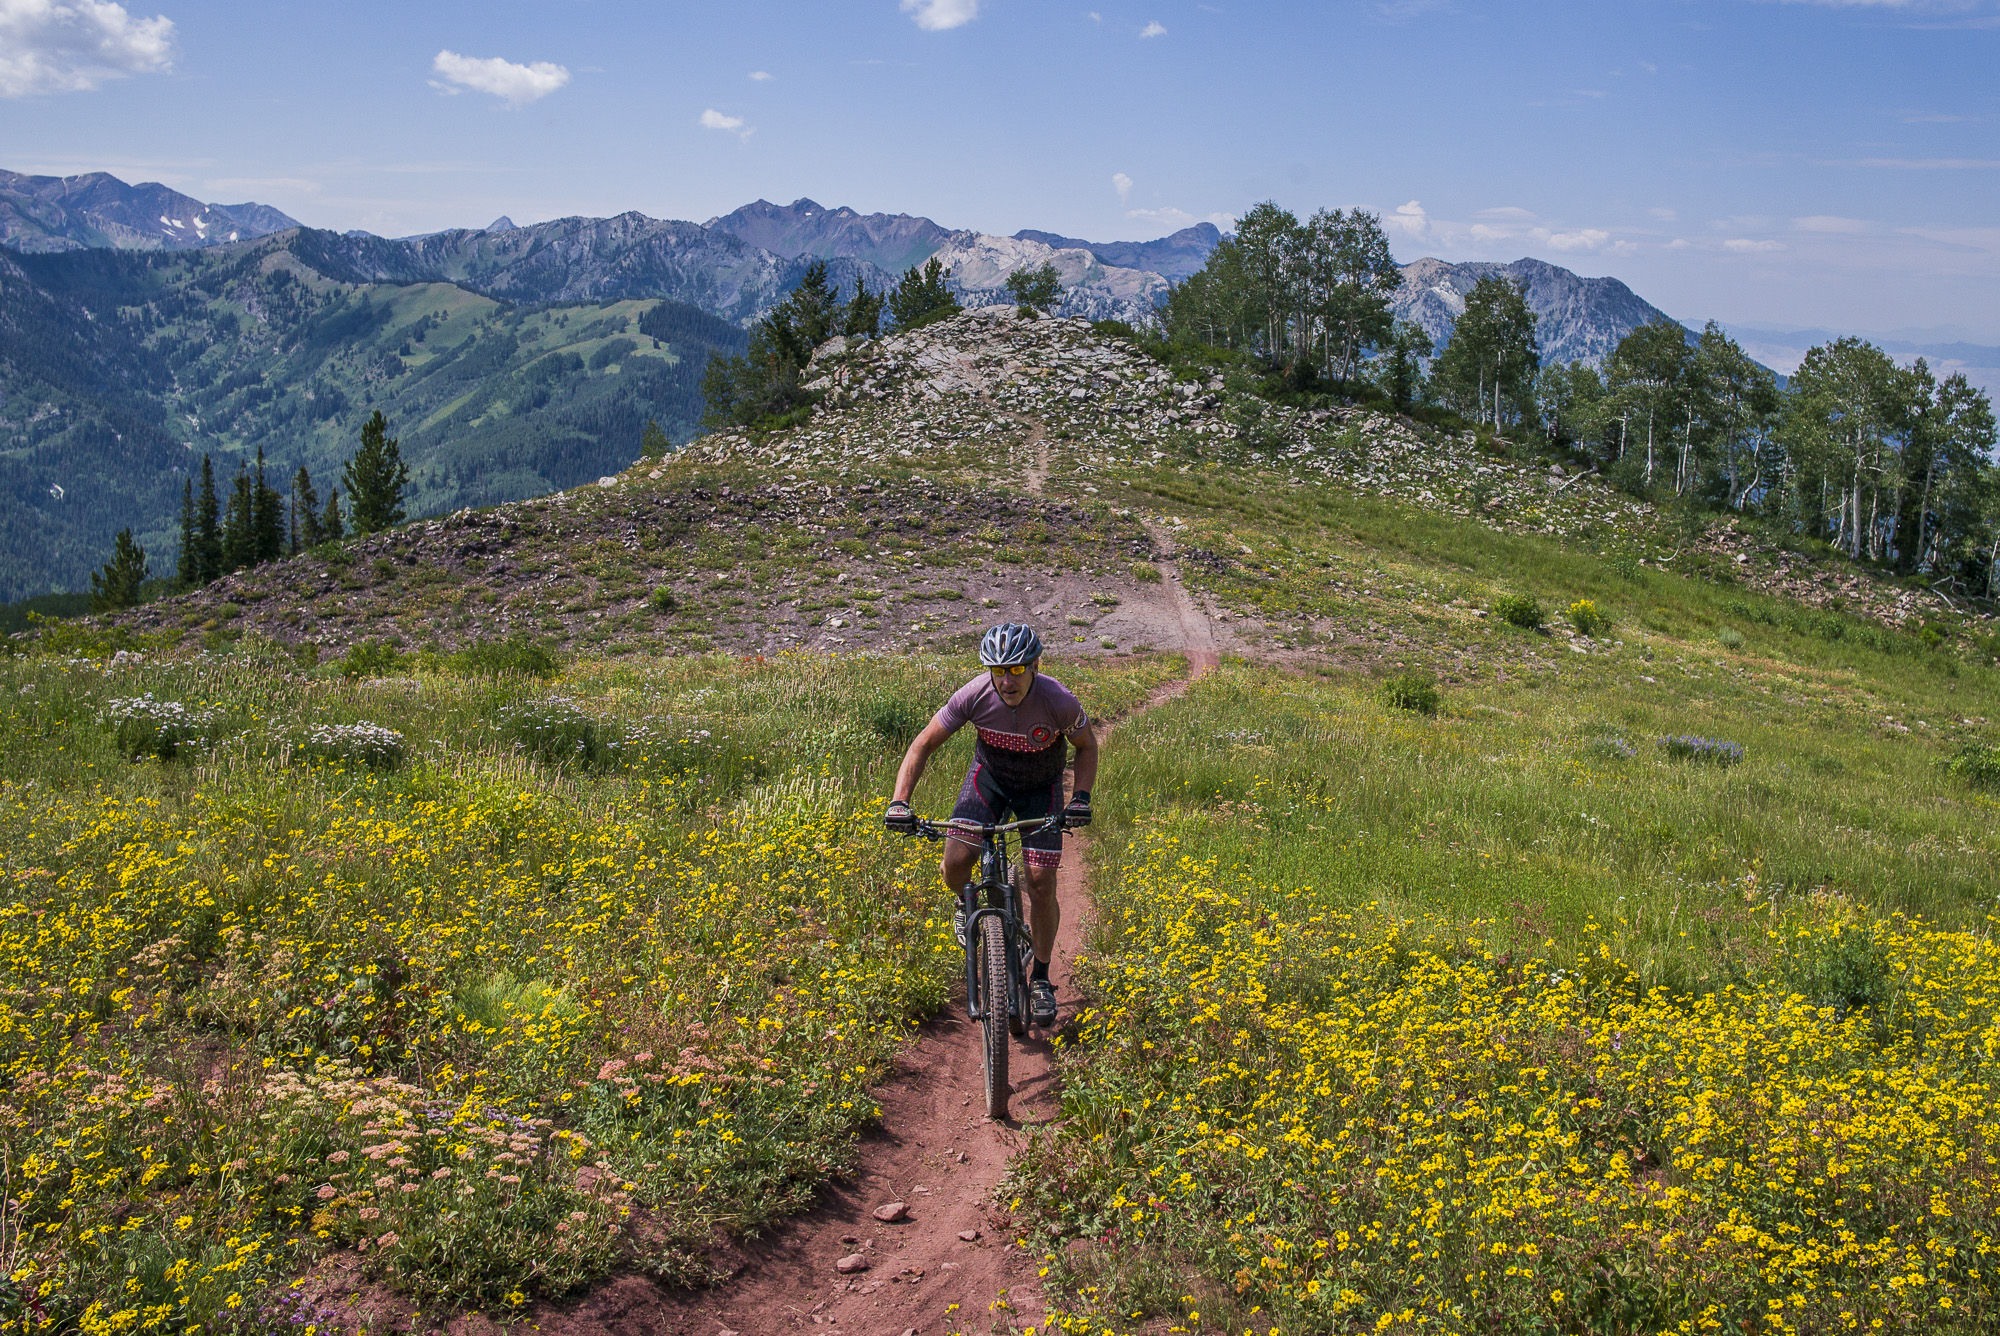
pixel 863 315
pixel 375 479
pixel 924 294
pixel 208 514
pixel 332 528
pixel 187 572
pixel 654 442
pixel 239 533
pixel 117 585
pixel 267 517
pixel 307 531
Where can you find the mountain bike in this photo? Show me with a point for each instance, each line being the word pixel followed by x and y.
pixel 997 942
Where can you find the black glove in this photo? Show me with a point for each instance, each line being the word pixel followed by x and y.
pixel 1078 811
pixel 900 818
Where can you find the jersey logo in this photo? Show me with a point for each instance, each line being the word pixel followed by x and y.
pixel 1041 733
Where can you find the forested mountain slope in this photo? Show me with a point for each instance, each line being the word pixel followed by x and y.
pixel 118 370
pixel 1577 319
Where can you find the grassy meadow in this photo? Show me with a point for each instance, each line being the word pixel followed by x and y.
pixel 1512 979
pixel 501 982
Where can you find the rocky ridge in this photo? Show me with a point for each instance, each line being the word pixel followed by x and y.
pixel 981 468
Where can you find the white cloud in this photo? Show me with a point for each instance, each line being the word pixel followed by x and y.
pixel 71 46
pixel 712 119
pixel 941 15
pixel 1829 225
pixel 1680 243
pixel 1175 219
pixel 1583 239
pixel 1152 30
pixel 1744 246
pixel 1408 219
pixel 1123 185
pixel 1664 214
pixel 515 84
pixel 1094 16
pixel 761 76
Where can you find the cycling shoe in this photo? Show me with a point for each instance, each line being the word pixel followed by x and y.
pixel 1042 1002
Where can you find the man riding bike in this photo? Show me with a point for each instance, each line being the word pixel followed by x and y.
pixel 1022 718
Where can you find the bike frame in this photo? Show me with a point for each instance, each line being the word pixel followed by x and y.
pixel 994 884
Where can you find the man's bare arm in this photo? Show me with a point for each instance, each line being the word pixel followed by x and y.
pixel 916 758
pixel 1086 760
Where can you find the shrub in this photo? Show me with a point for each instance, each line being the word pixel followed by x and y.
pixel 896 718
pixel 162 729
pixel 1848 972
pixel 517 656
pixel 1588 620
pixel 557 733
pixel 369 658
pixel 1978 764
pixel 363 744
pixel 1522 610
pixel 1412 691
pixel 1713 751
pixel 1729 638
pixel 1611 749
pixel 662 600
pixel 1145 572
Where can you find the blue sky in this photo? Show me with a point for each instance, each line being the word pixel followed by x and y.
pixel 1759 162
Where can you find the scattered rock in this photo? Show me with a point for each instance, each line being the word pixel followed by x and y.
pixel 850 1264
pixel 890 1212
pixel 968 1236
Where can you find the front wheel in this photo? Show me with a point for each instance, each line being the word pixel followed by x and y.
pixel 993 1002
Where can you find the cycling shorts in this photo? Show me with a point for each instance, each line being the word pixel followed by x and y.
pixel 981 800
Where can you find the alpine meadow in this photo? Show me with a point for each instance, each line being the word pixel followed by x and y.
pixel 1542 864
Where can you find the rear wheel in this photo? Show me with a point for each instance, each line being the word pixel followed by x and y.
pixel 993 1002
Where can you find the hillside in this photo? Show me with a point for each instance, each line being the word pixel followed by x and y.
pixel 585 990
pixel 58 213
pixel 1577 319
pixel 122 368
pixel 854 530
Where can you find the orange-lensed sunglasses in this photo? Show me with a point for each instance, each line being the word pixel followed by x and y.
pixel 1012 670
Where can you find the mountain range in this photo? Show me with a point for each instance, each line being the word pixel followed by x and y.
pixel 59 213
pixel 141 328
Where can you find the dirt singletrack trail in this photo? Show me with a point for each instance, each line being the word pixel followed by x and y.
pixel 945 1265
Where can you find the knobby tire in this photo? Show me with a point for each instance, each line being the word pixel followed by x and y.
pixel 993 1001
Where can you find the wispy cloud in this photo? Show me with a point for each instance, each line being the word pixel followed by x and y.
pixel 761 76
pixel 1174 219
pixel 514 84
pixel 711 119
pixel 221 184
pixel 72 46
pixel 1402 11
pixel 1123 185
pixel 1920 164
pixel 1501 229
pixel 1747 246
pixel 941 15
pixel 1153 30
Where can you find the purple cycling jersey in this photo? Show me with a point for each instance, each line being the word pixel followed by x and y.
pixel 1022 747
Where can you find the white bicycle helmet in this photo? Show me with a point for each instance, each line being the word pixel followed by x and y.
pixel 1008 644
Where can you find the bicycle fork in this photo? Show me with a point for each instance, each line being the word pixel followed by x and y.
pixel 988 880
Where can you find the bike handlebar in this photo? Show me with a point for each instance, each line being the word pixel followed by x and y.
pixel 937 830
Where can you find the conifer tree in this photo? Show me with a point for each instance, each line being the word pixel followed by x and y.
pixel 187 569
pixel 306 529
pixel 117 585
pixel 239 533
pixel 208 516
pixel 332 528
pixel 923 294
pixel 375 479
pixel 863 315
pixel 267 517
pixel 654 442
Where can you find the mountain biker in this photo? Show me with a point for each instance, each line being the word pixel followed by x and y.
pixel 1022 717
